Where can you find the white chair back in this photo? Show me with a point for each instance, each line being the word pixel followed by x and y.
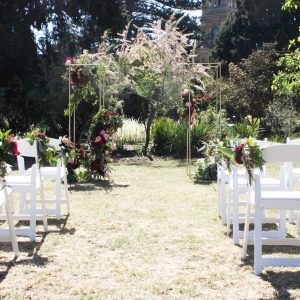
pixel 281 153
pixel 293 142
pixel 55 143
pixel 265 143
pixel 26 149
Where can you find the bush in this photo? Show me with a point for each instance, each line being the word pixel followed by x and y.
pixel 250 127
pixel 205 171
pixel 169 137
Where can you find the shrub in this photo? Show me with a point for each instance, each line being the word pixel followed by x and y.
pixel 205 171
pixel 169 137
pixel 249 127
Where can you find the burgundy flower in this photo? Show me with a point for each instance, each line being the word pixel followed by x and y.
pixel 96 165
pixel 238 153
pixel 40 135
pixel 185 93
pixel 223 136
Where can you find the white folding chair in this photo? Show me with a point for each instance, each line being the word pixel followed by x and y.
pixel 292 177
pixel 239 186
pixel 5 201
pixel 272 200
pixel 57 173
pixel 223 178
pixel 28 183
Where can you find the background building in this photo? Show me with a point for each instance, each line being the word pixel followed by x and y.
pixel 213 15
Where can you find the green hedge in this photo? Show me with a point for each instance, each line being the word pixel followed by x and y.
pixel 169 137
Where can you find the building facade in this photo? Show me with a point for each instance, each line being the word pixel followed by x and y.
pixel 213 15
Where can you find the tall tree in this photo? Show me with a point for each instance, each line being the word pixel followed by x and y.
pixel 21 75
pixel 250 25
pixel 144 12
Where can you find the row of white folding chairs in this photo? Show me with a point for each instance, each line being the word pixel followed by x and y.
pixel 281 200
pixel 31 182
pixel 238 185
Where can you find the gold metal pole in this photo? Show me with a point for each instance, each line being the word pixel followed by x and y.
pixel 74 125
pixel 69 102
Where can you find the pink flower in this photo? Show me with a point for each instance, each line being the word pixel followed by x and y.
pixel 185 93
pixel 104 136
pixel 69 60
pixel 98 139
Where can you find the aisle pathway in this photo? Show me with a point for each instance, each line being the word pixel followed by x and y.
pixel 151 234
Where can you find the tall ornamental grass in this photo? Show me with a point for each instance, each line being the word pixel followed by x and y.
pixel 131 132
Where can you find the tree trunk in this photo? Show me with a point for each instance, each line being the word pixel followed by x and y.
pixel 150 119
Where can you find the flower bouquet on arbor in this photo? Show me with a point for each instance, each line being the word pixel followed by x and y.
pixel 105 123
pixel 192 104
pixel 8 150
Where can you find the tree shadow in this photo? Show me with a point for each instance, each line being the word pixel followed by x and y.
pixel 97 185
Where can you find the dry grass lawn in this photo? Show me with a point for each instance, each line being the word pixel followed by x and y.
pixel 149 234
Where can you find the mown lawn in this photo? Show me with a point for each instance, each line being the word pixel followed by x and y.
pixel 149 234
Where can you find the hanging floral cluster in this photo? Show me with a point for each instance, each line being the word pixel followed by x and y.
pixel 101 142
pixel 96 153
pixel 8 150
pixel 78 75
pixel 191 105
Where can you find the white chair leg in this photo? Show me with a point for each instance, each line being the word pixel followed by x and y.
pixel 32 218
pixel 258 236
pixel 246 228
pixel 44 210
pixel 58 198
pixel 235 219
pixel 67 192
pixel 229 213
pixel 298 222
pixel 223 201
pixel 11 227
pixel 282 224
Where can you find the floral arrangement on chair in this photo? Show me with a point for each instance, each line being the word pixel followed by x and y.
pixel 46 152
pixel 8 150
pixel 226 152
pixel 68 150
pixel 246 153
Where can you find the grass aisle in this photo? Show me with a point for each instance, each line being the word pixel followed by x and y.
pixel 151 234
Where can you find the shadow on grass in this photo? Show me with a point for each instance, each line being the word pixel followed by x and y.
pixel 96 185
pixel 283 282
pixel 34 259
pixel 32 248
